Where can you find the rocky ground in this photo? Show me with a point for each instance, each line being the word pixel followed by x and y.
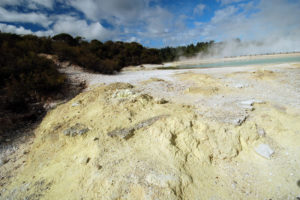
pixel 224 133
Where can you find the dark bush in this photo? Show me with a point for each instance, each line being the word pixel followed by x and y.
pixel 26 79
pixel 64 37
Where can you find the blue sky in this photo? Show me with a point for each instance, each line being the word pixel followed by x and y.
pixel 154 23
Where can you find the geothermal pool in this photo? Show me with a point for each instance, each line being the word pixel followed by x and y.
pixel 245 62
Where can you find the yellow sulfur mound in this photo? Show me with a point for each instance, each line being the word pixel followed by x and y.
pixel 114 142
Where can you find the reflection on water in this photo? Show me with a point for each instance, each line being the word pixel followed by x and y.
pixel 273 60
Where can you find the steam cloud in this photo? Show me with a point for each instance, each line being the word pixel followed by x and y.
pixel 274 27
pixel 231 48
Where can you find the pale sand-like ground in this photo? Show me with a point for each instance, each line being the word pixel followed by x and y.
pixel 137 74
pixel 177 134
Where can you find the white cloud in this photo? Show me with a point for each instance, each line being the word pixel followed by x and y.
pixel 78 27
pixel 45 3
pixel 158 21
pixel 199 9
pixel 133 39
pixel 66 24
pixel 13 29
pixel 225 2
pixel 123 12
pixel 34 18
pixel 224 14
pixel 112 10
pixel 9 2
pixel 129 18
pixel 22 31
pixel 32 4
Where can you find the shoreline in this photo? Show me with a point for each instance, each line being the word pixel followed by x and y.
pixel 193 61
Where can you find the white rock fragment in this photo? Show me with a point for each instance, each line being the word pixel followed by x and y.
pixel 49 106
pixel 264 150
pixel 123 93
pixel 250 102
pixel 240 85
pixel 261 132
pixel 75 104
pixel 240 120
pixel 248 107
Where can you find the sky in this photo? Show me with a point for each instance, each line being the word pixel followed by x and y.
pixel 156 23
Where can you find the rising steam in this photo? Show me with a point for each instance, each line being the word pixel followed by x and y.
pixel 232 48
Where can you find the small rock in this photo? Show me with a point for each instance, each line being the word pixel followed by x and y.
pixel 77 129
pixel 85 160
pixel 75 104
pixel 239 85
pixel 261 132
pixel 55 128
pixel 25 152
pixel 240 120
pixel 123 93
pixel 83 131
pixel 127 133
pixel 264 150
pixel 145 98
pixel 233 186
pixel 248 107
pixel 99 167
pixel 250 102
pixel 49 106
pixel 161 101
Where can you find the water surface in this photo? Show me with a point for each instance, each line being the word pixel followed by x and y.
pixel 252 61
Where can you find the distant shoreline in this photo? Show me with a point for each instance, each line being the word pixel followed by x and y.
pixel 193 61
